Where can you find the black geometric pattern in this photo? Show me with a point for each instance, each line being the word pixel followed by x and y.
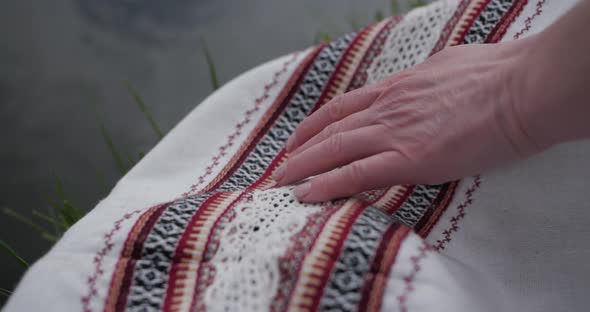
pixel 151 272
pixel 486 21
pixel 343 290
pixel 300 106
pixel 417 204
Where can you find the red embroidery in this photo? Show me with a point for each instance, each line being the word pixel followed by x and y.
pixel 528 21
pixel 440 244
pixel 509 17
pixel 409 280
pixel 436 210
pixel 465 25
pixel 454 227
pixel 98 260
pixel 238 127
pixel 292 260
pixel 447 31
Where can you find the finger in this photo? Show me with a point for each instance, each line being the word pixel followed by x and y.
pixel 381 170
pixel 351 122
pixel 338 150
pixel 336 109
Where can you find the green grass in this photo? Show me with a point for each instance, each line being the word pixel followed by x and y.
pixel 145 110
pixel 5 293
pixel 210 65
pixel 108 139
pixel 67 212
pixel 322 37
pixel 379 15
pixel 62 213
pixel 11 252
pixel 31 224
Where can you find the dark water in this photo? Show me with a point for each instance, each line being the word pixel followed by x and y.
pixel 59 59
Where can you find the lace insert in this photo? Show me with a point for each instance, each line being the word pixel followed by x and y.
pixel 411 41
pixel 246 262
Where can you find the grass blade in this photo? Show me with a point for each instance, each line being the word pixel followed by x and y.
pixel 113 149
pixel 379 16
pixel 55 207
pixel 321 37
pixel 17 216
pixel 45 217
pixel 109 140
pixel 210 65
pixel 5 292
pixel 58 229
pixel 132 162
pixel 70 213
pixel 59 187
pixel 144 109
pixel 13 253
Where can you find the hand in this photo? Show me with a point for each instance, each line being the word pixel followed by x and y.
pixel 447 118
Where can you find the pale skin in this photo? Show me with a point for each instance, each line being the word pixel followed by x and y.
pixel 464 111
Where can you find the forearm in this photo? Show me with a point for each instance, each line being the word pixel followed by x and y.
pixel 553 106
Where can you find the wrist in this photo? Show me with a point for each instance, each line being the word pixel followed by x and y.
pixel 551 89
pixel 515 114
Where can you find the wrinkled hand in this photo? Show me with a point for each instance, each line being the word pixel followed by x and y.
pixel 447 118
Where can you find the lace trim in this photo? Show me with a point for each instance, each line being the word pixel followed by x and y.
pixel 411 41
pixel 247 259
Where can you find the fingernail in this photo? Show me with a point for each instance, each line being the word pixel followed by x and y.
pixel 302 190
pixel 279 173
pixel 290 143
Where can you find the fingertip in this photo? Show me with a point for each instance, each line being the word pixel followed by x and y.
pixel 302 191
pixel 307 193
pixel 279 174
pixel 290 143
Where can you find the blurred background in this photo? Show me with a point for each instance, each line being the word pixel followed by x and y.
pixel 71 125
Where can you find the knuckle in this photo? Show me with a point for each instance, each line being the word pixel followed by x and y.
pixel 355 176
pixel 328 131
pixel 370 91
pixel 403 94
pixel 334 108
pixel 335 143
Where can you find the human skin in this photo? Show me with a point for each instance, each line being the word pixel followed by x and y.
pixel 463 111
